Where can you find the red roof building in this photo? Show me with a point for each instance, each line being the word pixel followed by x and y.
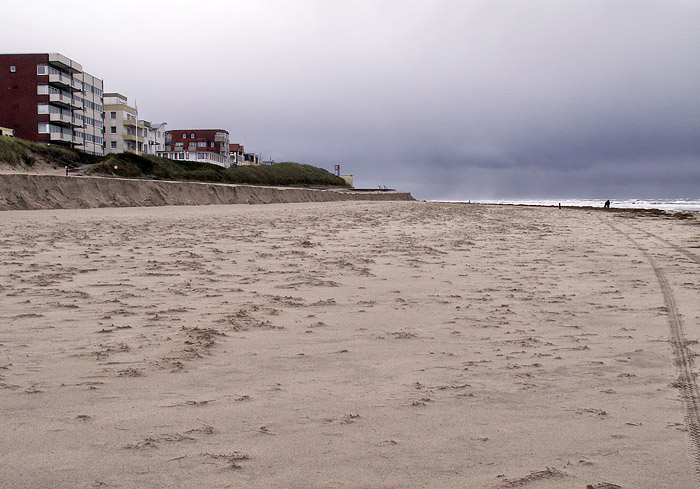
pixel 212 140
pixel 208 145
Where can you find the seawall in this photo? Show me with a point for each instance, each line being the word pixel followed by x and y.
pixel 31 191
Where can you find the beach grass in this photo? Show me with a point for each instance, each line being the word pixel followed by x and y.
pixel 149 166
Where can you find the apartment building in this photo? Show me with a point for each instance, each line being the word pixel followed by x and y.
pixel 251 159
pixel 48 98
pixel 124 133
pixel 236 153
pixel 203 145
pixel 91 115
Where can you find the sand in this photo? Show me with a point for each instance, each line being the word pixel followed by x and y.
pixel 348 345
pixel 27 191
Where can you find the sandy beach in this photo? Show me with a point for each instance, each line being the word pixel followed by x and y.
pixel 348 345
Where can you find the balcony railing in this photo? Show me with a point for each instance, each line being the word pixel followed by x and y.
pixel 77 104
pixel 61 137
pixel 60 118
pixel 62 80
pixel 60 99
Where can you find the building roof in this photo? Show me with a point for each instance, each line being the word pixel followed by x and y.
pixel 195 130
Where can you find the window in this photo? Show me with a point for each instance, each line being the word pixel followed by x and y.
pixel 113 144
pixel 43 108
pixel 202 144
pixel 42 89
pixel 192 135
pixel 13 69
pixel 44 128
pixel 113 130
pixel 212 144
pixel 184 135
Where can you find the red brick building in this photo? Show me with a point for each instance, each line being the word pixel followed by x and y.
pixel 212 140
pixel 208 145
pixel 48 98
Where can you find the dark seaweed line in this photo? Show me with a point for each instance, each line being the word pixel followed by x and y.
pixel 690 396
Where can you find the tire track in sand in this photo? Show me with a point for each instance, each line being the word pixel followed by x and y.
pixel 691 256
pixel 683 359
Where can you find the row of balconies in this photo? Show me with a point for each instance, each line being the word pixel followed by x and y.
pixel 61 137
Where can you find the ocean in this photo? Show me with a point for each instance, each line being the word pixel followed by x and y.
pixel 669 205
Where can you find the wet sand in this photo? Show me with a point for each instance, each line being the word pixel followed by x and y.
pixel 348 345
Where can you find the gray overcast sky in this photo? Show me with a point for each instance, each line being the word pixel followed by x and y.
pixel 448 99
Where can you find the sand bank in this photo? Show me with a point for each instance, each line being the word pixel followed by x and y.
pixel 40 191
pixel 348 345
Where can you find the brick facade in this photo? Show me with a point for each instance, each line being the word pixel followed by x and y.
pixel 47 98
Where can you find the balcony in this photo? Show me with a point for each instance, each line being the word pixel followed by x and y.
pixel 60 137
pixel 129 122
pixel 60 99
pixel 62 81
pixel 77 139
pixel 77 85
pixel 76 104
pixel 76 122
pixel 61 118
pixel 64 63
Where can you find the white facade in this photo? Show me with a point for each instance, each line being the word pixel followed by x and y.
pixel 198 156
pixel 154 136
pixel 123 134
pixel 89 114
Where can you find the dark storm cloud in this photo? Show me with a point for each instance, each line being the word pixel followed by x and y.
pixel 448 99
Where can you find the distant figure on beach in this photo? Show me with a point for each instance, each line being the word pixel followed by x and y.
pixel 607 204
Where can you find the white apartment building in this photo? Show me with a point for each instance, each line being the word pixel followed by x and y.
pixel 91 115
pixel 124 134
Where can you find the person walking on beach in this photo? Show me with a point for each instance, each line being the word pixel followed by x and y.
pixel 607 204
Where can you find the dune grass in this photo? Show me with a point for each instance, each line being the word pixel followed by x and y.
pixel 149 166
pixel 19 153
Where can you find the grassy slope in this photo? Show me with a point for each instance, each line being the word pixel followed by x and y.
pixel 18 153
pixel 148 166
